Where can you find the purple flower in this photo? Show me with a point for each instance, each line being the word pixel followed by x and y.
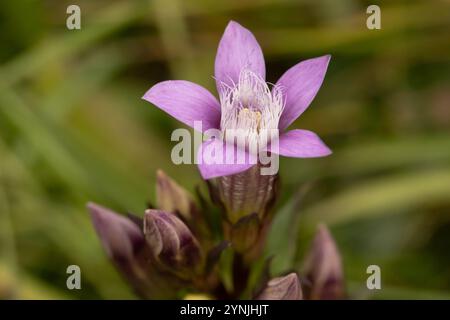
pixel 246 102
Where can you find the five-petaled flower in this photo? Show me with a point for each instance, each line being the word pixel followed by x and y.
pixel 246 102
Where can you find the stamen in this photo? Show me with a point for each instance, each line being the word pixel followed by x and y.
pixel 250 107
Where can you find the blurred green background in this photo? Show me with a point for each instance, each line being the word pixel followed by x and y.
pixel 73 128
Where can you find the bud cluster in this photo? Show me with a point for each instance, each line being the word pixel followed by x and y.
pixel 186 245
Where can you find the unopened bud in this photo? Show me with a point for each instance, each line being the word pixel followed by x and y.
pixel 171 242
pixel 282 288
pixel 120 237
pixel 172 197
pixel 124 242
pixel 323 268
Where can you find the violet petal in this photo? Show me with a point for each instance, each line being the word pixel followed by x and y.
pixel 186 102
pixel 226 164
pixel 238 50
pixel 300 144
pixel 300 85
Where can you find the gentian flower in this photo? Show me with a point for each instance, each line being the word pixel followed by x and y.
pixel 246 100
pixel 250 106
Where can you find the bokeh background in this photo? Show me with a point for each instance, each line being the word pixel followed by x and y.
pixel 73 128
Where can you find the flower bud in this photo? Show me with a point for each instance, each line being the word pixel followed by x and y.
pixel 282 288
pixel 172 197
pixel 125 245
pixel 323 268
pixel 172 243
pixel 120 237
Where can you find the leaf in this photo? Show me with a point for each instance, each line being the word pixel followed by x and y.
pixel 381 195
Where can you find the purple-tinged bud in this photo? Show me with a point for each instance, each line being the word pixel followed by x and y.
pixel 125 245
pixel 171 197
pixel 172 243
pixel 323 268
pixel 282 288
pixel 120 237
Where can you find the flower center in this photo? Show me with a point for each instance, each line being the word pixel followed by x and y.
pixel 250 109
pixel 249 118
